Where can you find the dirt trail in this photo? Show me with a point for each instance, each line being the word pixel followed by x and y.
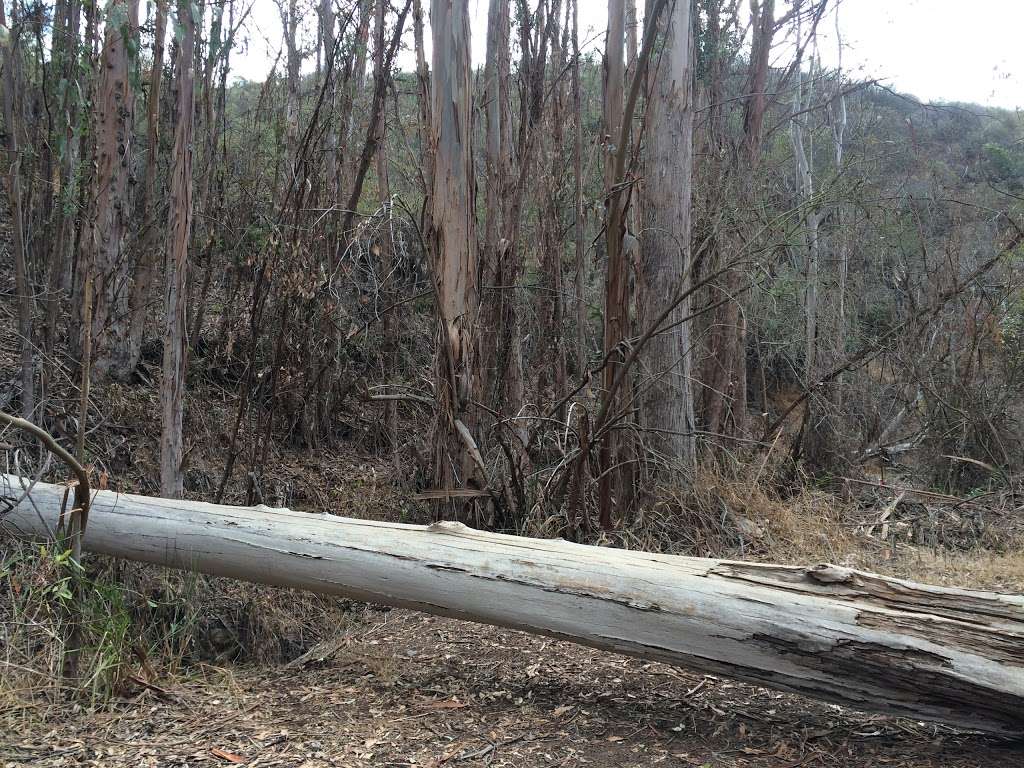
pixel 404 689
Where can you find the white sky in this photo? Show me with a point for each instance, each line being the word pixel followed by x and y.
pixel 937 50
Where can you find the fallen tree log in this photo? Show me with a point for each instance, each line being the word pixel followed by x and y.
pixel 857 639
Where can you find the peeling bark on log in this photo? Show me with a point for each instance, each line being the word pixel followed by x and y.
pixel 857 639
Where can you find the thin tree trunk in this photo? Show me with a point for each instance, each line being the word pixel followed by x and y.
pixel 580 221
pixel 725 400
pixel 212 90
pixel 347 113
pixel 148 243
pixel 66 187
pixel 550 301
pixel 387 246
pixel 328 24
pixel 290 22
pixel 616 299
pixel 804 159
pixel 497 159
pixel 79 277
pixel 839 120
pixel 13 124
pixel 425 121
pixel 179 229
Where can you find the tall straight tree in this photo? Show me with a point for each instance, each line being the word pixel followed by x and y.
pixel 842 253
pixel 616 304
pixel 667 401
pixel 725 378
pixel 179 230
pixel 453 246
pixel 497 161
pixel 209 115
pixel 146 205
pixel 385 241
pixel 578 211
pixel 105 273
pixel 803 154
pixel 550 303
pixel 13 127
pixel 290 20
pixel 328 27
pixel 67 66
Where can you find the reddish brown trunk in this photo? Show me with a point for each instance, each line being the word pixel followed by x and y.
pixel 616 298
pixel 104 255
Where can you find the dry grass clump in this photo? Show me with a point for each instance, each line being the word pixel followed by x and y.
pixel 739 514
pixel 973 569
pixel 998 572
pixel 35 595
pixel 135 625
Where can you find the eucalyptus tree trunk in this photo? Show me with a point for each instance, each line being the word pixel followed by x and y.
pixel 353 93
pixel 66 191
pixel 453 246
pixel 578 212
pixel 631 36
pixel 851 638
pixel 803 149
pixel 667 394
pixel 14 126
pixel 817 435
pixel 328 39
pixel 214 82
pixel 179 230
pixel 509 387
pixel 616 294
pixel 148 243
pixel 385 239
pixel 78 281
pixel 494 252
pixel 633 213
pixel 425 122
pixel 551 379
pixel 725 377
pixel 839 120
pixel 106 267
pixel 290 24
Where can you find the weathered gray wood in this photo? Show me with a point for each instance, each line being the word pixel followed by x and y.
pixel 857 639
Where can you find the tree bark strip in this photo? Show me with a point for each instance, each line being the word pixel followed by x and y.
pixel 179 228
pixel 453 246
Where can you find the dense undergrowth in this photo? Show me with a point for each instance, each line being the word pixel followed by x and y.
pixel 137 626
